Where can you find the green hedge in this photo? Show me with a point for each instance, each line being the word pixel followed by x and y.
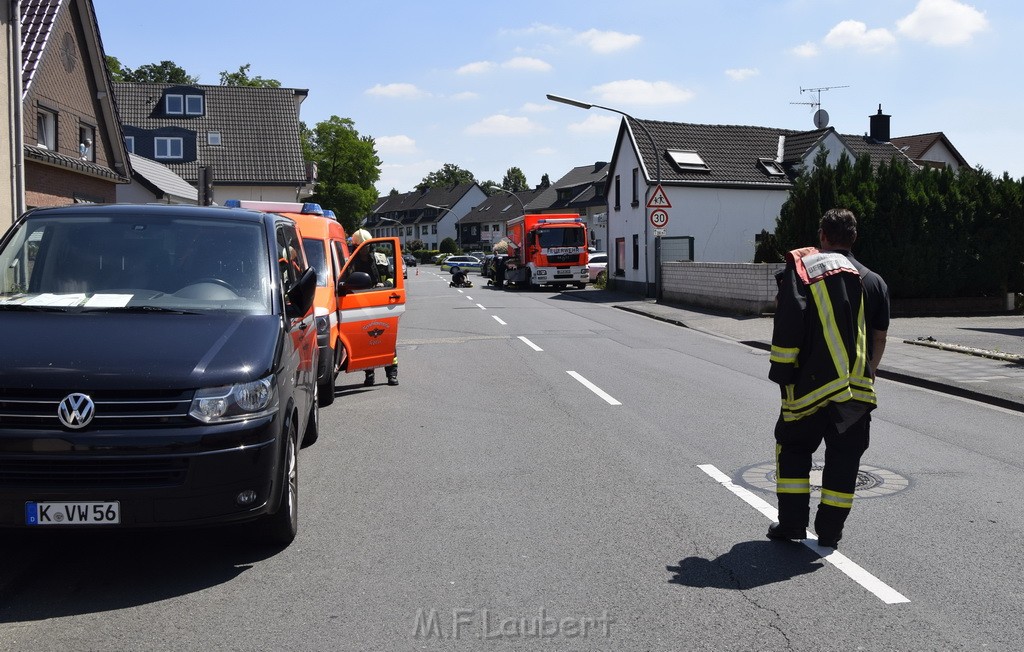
pixel 930 233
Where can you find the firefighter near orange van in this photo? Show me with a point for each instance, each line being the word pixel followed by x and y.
pixel 377 266
pixel 828 338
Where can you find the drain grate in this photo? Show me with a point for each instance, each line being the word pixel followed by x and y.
pixel 872 481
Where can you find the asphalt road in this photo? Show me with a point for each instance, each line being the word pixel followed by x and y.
pixel 556 474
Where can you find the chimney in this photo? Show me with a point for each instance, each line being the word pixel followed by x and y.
pixel 880 126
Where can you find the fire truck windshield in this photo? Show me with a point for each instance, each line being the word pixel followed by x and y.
pixel 562 237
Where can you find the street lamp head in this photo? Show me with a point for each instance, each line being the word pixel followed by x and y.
pixel 570 102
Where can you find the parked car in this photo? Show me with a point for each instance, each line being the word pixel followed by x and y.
pixel 438 258
pixel 410 260
pixel 598 267
pixel 463 262
pixel 159 368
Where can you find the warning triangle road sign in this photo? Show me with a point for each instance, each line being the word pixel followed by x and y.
pixel 659 199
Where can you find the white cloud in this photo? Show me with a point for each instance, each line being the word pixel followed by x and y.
pixel 405 91
pixel 596 124
pixel 942 22
pixel 395 145
pixel 855 34
pixel 465 96
pixel 740 74
pixel 607 42
pixel 502 125
pixel 534 107
pixel 637 91
pixel 807 50
pixel 475 68
pixel 527 63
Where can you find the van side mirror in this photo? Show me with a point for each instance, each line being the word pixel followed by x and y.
pixel 301 294
pixel 355 281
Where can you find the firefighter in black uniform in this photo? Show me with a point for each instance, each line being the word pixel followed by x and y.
pixel 828 338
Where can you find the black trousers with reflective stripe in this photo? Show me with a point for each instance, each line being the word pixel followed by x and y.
pixel 798 440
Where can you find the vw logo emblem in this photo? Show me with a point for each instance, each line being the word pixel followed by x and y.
pixel 76 411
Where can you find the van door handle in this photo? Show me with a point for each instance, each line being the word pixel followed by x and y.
pixel 395 297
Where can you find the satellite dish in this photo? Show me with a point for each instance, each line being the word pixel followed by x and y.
pixel 821 118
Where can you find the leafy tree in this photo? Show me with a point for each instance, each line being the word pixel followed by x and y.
pixel 115 68
pixel 449 175
pixel 242 78
pixel 414 245
pixel 348 167
pixel 165 72
pixel 545 180
pixel 486 186
pixel 515 180
pixel 448 246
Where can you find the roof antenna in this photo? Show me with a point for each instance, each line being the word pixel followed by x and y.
pixel 820 114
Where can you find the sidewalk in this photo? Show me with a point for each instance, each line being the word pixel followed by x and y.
pixel 980 358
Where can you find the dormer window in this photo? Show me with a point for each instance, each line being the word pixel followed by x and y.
pixel 182 104
pixel 213 138
pixel 687 161
pixel 193 105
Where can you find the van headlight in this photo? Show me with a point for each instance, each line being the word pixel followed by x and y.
pixel 235 402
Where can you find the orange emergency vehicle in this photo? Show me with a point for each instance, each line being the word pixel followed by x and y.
pixel 356 314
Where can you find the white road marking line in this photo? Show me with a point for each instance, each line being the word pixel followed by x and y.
pixel 594 388
pixel 883 591
pixel 498 319
pixel 469 297
pixel 530 344
pixel 481 306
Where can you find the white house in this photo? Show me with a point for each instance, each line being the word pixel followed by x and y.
pixel 722 185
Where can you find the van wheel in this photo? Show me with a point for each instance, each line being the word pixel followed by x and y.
pixel 313 421
pixel 325 391
pixel 280 528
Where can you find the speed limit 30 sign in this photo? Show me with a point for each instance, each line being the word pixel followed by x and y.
pixel 659 217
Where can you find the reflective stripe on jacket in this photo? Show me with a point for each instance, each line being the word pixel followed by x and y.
pixel 819 342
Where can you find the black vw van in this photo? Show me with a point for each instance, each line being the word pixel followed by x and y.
pixel 157 368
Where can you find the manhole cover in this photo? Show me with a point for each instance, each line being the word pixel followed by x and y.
pixel 872 481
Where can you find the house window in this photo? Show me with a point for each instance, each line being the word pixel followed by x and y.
pixel 213 138
pixel 46 129
pixel 86 142
pixel 620 256
pixel 486 228
pixel 636 188
pixel 168 148
pixel 129 143
pixel 433 229
pixel 174 104
pixel 636 251
pixel 194 105
pixel 687 161
pixel 618 202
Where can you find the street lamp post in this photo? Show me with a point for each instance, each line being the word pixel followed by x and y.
pixel 657 167
pixel 511 194
pixel 458 229
pixel 388 219
pixel 514 196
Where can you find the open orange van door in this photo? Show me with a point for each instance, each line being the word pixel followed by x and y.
pixel 371 300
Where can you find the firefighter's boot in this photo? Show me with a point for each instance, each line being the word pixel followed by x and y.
pixel 370 377
pixel 392 372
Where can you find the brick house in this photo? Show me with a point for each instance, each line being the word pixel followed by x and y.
pixel 73 150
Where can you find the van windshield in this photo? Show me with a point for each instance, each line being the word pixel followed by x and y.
pixel 136 262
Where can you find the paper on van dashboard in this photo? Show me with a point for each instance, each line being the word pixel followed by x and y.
pixel 108 300
pixel 69 300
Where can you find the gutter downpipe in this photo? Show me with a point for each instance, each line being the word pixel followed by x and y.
pixel 17 111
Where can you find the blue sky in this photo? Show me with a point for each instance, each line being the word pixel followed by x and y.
pixel 465 82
